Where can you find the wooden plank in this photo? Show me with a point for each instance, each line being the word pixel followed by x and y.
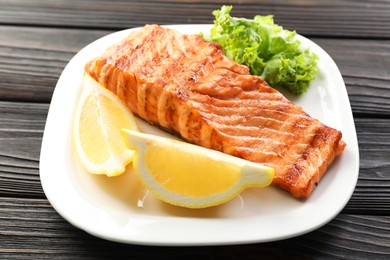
pixel 345 18
pixel 22 125
pixel 21 131
pixel 32 59
pixel 365 69
pixel 372 194
pixel 31 227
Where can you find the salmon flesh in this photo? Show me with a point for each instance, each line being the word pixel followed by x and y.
pixel 187 86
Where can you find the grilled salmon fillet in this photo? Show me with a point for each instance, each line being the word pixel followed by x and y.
pixel 187 86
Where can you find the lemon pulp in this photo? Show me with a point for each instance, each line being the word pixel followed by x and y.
pixel 194 176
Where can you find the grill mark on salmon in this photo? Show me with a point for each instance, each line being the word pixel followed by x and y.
pixel 188 87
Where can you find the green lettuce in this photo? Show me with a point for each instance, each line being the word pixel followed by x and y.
pixel 266 48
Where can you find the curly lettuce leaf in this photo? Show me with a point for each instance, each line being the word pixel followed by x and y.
pixel 266 48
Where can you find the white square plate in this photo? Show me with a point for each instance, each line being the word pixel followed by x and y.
pixel 107 207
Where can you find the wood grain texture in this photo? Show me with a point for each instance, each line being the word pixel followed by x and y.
pixel 345 18
pixel 31 227
pixel 32 59
pixel 22 126
pixel 21 131
pixel 372 193
pixel 364 65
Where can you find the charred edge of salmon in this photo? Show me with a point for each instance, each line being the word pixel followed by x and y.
pixel 303 190
pixel 140 71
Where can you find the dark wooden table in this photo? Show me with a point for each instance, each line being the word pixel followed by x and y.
pixel 38 38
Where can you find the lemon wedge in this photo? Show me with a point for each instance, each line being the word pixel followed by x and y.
pixel 191 176
pixel 99 118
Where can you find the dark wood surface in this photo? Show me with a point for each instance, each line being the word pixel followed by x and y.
pixel 38 38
